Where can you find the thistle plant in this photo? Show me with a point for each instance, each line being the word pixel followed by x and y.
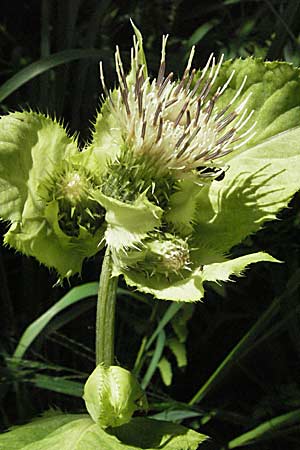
pixel 177 172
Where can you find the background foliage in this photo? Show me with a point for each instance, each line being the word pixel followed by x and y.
pixel 49 54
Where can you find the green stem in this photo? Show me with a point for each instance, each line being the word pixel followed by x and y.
pixel 105 316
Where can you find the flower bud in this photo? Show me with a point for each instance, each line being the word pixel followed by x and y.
pixel 165 255
pixel 112 394
pixel 71 186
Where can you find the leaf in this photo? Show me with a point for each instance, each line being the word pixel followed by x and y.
pixel 245 344
pixel 168 316
pixel 30 147
pixel 223 271
pixel 200 32
pixel 274 95
pixel 165 370
pixel 18 437
pixel 176 414
pixel 191 288
pixel 79 432
pixel 106 140
pixel 182 207
pixel 266 429
pixel 179 350
pixel 44 64
pixel 159 348
pixel 58 384
pixel 180 321
pixel 35 328
pixel 259 182
pixel 128 224
pixel 155 434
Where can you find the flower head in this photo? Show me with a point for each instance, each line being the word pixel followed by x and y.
pixel 148 183
pixel 177 125
pixel 173 137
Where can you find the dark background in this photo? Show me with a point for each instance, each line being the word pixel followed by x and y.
pixel 264 383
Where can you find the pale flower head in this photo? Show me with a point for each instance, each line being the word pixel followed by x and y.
pixel 177 124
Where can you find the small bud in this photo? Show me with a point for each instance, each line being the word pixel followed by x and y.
pixel 165 255
pixel 172 254
pixel 112 394
pixel 71 186
pixel 74 187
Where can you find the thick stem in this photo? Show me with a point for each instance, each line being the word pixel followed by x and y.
pixel 105 318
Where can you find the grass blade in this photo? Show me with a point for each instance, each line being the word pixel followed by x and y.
pixel 176 415
pixel 160 343
pixel 58 384
pixel 169 314
pixel 44 64
pixel 34 329
pixel 242 346
pixel 265 429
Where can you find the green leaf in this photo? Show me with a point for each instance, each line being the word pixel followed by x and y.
pixel 30 147
pixel 182 207
pixel 246 343
pixel 106 140
pixel 180 321
pixel 173 415
pixel 191 288
pixel 179 350
pixel 274 95
pixel 155 434
pixel 44 64
pixel 159 348
pixel 266 429
pixel 223 271
pixel 200 32
pixel 165 370
pixel 259 182
pixel 18 437
pixel 35 328
pixel 128 224
pixel 79 432
pixel 58 384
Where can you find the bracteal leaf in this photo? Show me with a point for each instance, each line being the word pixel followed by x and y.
pixel 259 182
pixel 190 288
pixel 128 223
pixel 274 95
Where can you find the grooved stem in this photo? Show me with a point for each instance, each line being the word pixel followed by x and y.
pixel 105 315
